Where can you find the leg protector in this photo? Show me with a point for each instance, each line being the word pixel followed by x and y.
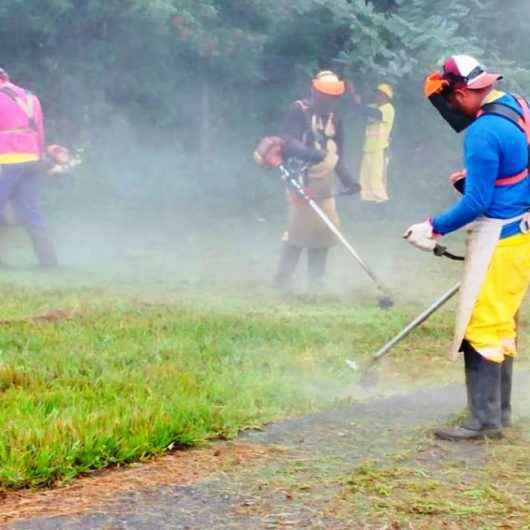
pixel 485 391
pixel 43 246
pixel 317 259
pixel 288 261
pixel 483 382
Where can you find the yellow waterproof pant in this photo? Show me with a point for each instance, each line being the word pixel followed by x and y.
pixel 492 329
pixel 373 176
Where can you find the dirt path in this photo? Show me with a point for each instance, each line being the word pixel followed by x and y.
pixel 286 476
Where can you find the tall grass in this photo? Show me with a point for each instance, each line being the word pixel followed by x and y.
pixel 119 382
pixel 122 380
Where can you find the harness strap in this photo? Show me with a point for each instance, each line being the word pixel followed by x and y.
pixel 303 104
pixel 503 111
pixel 521 120
pixel 526 115
pixel 508 181
pixel 503 181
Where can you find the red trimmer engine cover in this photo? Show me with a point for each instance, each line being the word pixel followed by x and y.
pixel 268 152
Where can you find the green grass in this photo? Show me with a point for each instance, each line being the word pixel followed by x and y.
pixel 123 379
pixel 120 381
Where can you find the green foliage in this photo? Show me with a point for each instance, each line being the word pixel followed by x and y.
pixel 148 60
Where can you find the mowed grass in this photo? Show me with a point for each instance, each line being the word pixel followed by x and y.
pixel 120 380
pixel 466 486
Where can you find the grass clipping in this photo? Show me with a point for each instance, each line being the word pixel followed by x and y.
pixel 454 491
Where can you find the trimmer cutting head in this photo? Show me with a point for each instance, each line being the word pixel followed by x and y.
pixel 385 302
pixel 369 378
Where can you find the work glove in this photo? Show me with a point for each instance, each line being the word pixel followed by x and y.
pixel 434 84
pixel 422 236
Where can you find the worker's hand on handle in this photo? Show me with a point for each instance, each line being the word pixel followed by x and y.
pixel 295 149
pixel 422 236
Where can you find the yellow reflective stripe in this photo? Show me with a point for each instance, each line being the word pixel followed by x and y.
pixel 25 130
pixel 18 158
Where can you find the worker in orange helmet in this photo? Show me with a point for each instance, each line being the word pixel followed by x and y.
pixel 313 133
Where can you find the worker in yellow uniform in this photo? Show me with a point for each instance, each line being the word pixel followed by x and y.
pixel 494 209
pixel 374 163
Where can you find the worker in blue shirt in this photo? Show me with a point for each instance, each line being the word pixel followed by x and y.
pixel 496 201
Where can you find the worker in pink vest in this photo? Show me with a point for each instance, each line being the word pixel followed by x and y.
pixel 21 150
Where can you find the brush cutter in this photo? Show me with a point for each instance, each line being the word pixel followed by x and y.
pixel 290 175
pixel 368 377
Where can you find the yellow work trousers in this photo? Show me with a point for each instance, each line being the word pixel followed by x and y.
pixel 373 176
pixel 492 330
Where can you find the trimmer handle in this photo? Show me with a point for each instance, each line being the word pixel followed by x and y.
pixel 442 252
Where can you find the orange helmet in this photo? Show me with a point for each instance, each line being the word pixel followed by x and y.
pixel 327 82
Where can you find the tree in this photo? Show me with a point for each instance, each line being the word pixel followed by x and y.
pixel 174 72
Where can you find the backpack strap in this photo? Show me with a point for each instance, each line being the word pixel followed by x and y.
pixel 519 119
pixel 526 115
pixel 504 111
pixel 303 104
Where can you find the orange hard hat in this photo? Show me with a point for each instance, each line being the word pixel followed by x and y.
pixel 327 82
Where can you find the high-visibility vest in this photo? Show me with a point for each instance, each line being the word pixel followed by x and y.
pixel 378 132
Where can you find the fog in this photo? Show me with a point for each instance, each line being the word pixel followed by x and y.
pixel 145 211
pixel 167 195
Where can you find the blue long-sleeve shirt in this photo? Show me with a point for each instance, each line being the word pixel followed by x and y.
pixel 493 148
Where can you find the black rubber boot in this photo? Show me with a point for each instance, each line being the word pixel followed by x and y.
pixel 288 261
pixel 506 391
pixel 317 259
pixel 43 247
pixel 483 382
